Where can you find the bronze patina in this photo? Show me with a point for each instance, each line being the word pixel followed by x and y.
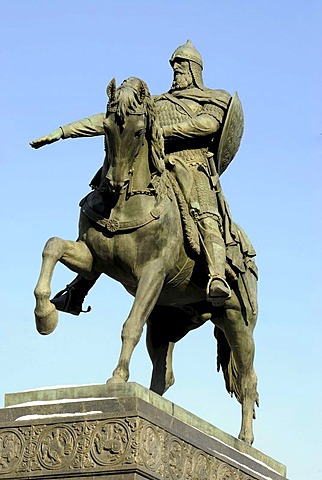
pixel 158 222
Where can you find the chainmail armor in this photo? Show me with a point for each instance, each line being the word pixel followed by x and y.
pixel 203 201
pixel 170 114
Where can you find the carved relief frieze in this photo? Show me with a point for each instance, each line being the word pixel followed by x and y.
pixel 86 446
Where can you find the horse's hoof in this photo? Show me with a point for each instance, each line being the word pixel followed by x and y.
pixel 169 382
pixel 248 439
pixel 46 322
pixel 115 380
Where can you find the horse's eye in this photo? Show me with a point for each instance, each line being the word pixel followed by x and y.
pixel 139 133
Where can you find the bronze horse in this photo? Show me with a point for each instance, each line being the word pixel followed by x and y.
pixel 131 230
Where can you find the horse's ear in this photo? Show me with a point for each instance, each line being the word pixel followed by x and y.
pixel 111 89
pixel 142 91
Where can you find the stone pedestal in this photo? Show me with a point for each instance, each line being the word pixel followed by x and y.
pixel 120 432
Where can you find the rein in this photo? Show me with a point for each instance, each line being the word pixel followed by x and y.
pixel 151 191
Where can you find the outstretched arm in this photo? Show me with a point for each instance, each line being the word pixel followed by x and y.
pixel 88 127
pixel 47 139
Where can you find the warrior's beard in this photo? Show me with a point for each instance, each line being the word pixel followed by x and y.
pixel 181 81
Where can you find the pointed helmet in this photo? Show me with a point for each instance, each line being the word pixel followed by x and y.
pixel 187 52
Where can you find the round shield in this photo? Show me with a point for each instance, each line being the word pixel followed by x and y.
pixel 231 134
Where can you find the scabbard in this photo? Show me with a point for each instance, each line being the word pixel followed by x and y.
pixel 212 170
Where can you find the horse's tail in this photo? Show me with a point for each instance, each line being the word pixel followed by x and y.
pixel 226 362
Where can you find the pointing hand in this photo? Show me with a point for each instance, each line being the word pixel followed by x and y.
pixel 47 139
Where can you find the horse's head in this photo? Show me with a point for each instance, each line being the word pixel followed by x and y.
pixel 130 132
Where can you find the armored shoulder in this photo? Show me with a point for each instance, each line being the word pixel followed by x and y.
pixel 216 104
pixel 219 97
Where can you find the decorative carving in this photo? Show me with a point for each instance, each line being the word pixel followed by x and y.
pixel 110 443
pixel 201 466
pixel 152 447
pixel 177 459
pixel 112 225
pixel 11 446
pixel 57 447
pixel 29 461
pixel 225 472
pixel 83 458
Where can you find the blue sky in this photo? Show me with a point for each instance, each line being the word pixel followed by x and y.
pixel 57 58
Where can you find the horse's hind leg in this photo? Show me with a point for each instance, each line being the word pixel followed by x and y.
pixel 162 374
pixel 166 326
pixel 160 350
pixel 77 257
pixel 243 380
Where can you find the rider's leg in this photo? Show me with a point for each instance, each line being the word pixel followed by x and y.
pixel 71 298
pixel 218 290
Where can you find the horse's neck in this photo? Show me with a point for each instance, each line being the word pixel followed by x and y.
pixel 140 178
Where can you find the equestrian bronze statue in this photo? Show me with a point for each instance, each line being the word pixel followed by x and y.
pixel 157 221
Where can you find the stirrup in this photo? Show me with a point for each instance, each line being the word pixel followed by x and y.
pixel 224 293
pixel 64 303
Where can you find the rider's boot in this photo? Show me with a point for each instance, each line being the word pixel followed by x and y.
pixel 71 298
pixel 218 290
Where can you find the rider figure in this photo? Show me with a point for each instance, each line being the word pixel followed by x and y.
pixel 191 117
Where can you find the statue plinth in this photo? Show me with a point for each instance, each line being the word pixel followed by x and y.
pixel 123 431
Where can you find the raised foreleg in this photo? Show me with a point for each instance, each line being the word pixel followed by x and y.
pixel 77 257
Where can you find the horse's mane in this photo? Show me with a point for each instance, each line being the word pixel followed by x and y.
pixel 133 97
